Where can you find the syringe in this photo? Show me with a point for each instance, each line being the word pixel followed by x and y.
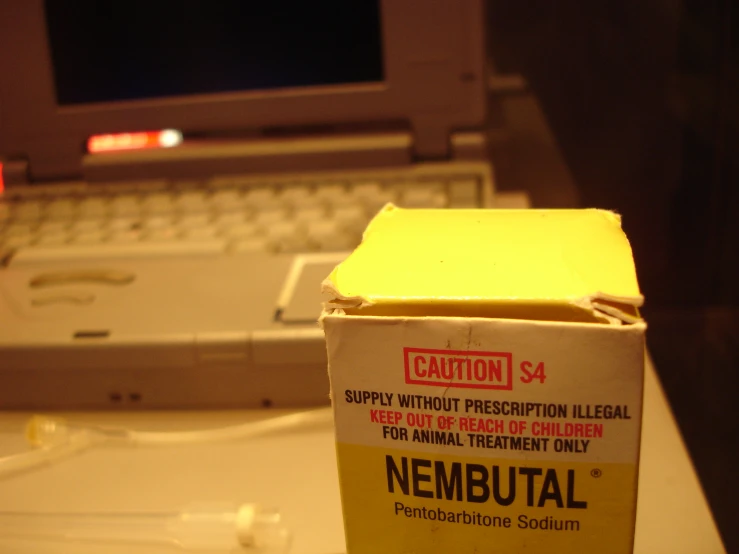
pixel 206 526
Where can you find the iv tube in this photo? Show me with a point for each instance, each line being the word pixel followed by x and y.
pixel 46 431
pixel 54 438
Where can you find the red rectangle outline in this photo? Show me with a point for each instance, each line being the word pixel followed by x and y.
pixel 507 355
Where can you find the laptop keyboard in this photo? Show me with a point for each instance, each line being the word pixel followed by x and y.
pixel 159 219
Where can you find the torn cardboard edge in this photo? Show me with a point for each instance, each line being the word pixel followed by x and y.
pixel 601 307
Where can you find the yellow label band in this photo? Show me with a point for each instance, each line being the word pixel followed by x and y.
pixel 441 503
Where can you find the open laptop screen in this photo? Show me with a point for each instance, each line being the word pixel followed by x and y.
pixel 139 49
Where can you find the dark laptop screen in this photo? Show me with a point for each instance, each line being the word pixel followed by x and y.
pixel 108 51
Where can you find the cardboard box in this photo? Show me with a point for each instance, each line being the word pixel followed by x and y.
pixel 486 376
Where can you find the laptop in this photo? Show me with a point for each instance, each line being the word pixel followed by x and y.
pixel 179 177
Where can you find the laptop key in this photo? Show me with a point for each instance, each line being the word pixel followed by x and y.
pixel 287 236
pixel 92 236
pixel 271 216
pixel 124 236
pixel 147 186
pixel 158 203
pixel 52 239
pixel 165 234
pixel 308 214
pixel 197 233
pixel 342 241
pixel 330 191
pixel 193 220
pixel 328 236
pixel 366 189
pixel 295 196
pixel 241 230
pixel 52 227
pixel 122 223
pixel 293 244
pixel 60 208
pixel 227 198
pixel 95 207
pixel 463 193
pixel 11 243
pixel 249 245
pixel 422 196
pixel 262 199
pixel 192 201
pixel 112 251
pixel 125 204
pixel 351 217
pixel 17 229
pixel 375 203
pixel 334 195
pixel 28 210
pixel 156 222
pixel 86 225
pixel 228 220
pixel 322 233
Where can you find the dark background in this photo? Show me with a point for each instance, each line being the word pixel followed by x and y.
pixel 642 99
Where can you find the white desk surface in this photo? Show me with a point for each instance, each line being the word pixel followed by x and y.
pixel 297 473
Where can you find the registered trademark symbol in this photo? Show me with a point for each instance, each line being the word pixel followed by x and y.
pixel 596 472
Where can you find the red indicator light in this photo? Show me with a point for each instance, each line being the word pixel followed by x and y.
pixel 134 141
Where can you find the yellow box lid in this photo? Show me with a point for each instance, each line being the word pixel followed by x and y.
pixel 532 264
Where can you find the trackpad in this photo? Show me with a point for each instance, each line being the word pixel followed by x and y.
pixel 301 300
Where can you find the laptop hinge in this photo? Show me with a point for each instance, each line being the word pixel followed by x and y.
pixel 433 144
pixel 469 146
pixel 201 160
pixel 14 172
pixel 430 140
